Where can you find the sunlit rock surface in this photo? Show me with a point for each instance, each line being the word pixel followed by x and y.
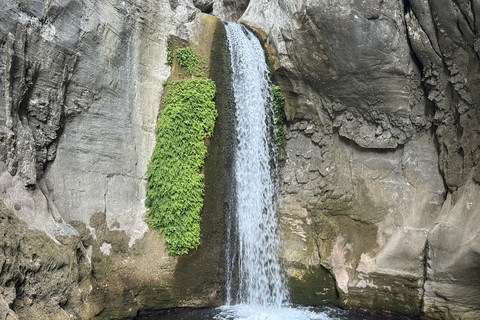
pixel 81 83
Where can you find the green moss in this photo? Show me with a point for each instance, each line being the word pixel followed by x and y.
pixel 175 184
pixel 200 274
pixel 169 54
pixel 279 117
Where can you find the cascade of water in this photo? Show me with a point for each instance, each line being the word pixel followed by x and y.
pixel 260 281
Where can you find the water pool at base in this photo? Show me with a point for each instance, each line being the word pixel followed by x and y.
pixel 244 312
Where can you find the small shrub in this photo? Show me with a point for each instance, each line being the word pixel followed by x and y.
pixel 278 100
pixel 190 61
pixel 169 54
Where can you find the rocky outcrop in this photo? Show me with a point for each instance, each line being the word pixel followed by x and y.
pixel 379 175
pixel 39 275
pixel 82 83
pixel 444 37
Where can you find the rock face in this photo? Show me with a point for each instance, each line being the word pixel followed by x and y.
pixel 451 65
pixel 38 277
pixel 82 82
pixel 379 194
pixel 379 184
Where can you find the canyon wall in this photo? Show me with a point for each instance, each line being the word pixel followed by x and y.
pixel 379 195
pixel 380 178
pixel 81 83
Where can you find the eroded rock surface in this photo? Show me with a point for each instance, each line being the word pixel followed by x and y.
pixel 40 275
pixel 379 184
pixel 444 37
pixel 382 149
pixel 81 83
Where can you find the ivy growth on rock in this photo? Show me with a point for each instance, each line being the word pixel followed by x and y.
pixel 190 61
pixel 278 100
pixel 175 186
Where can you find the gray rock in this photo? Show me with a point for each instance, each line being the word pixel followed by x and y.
pixel 376 213
pixel 336 60
pixel 442 35
pixel 447 51
pixel 39 275
pixel 229 10
pixel 379 185
pixel 453 250
pixel 82 82
pixel 204 5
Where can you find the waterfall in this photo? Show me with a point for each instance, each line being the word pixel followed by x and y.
pixel 258 279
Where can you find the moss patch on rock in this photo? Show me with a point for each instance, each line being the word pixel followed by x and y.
pixel 175 184
pixel 278 101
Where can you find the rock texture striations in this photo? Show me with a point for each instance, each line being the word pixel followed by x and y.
pixel 81 83
pixel 379 191
pixel 379 184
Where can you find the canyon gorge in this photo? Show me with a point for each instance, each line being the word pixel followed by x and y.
pixel 379 182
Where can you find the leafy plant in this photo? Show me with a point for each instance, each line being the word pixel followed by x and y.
pixel 190 61
pixel 278 100
pixel 175 185
pixel 169 54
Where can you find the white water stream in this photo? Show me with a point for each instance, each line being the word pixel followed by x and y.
pixel 260 282
pixel 255 284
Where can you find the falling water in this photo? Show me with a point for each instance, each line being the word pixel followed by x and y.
pixel 255 283
pixel 255 286
pixel 260 281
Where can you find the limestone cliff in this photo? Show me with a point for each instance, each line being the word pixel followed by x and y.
pixel 379 185
pixel 81 83
pixel 379 194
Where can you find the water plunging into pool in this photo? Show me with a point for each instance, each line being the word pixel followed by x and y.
pixel 255 285
pixel 260 281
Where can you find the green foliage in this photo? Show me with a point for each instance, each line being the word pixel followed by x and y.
pixel 175 185
pixel 279 119
pixel 169 54
pixel 190 61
